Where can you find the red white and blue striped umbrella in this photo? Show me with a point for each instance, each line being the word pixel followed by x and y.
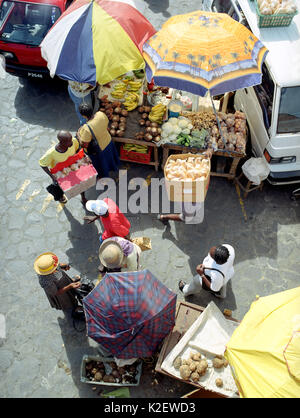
pixel 97 41
pixel 129 314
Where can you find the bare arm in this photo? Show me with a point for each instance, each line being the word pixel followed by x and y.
pixel 46 169
pixel 70 286
pixel 200 271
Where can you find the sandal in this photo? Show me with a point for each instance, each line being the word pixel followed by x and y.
pixel 181 285
pixel 63 200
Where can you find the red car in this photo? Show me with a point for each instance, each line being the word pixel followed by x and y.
pixel 23 26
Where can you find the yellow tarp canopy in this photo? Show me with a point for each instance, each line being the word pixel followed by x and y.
pixel 264 350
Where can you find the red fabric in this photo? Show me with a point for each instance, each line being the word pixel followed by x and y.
pixel 115 224
pixel 71 160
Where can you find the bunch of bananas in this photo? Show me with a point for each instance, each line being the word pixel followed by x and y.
pixel 157 113
pixel 134 85
pixel 131 101
pixel 137 148
pixel 118 91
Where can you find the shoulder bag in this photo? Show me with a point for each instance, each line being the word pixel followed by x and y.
pixel 93 147
pixel 209 279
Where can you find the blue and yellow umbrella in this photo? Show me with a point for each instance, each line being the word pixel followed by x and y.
pixel 204 51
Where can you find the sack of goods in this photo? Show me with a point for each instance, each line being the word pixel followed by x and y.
pixel 187 177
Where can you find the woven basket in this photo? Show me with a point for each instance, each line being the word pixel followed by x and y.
pixel 268 21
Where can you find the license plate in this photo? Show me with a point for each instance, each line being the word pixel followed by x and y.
pixel 34 75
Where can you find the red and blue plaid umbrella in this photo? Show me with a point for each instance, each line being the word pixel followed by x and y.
pixel 129 314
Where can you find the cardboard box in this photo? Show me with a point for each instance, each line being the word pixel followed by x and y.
pixel 186 191
pixel 78 181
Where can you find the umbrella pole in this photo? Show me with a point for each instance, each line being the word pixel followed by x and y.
pixel 218 123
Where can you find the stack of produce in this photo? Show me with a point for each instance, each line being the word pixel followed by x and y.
pixel 128 90
pixel 157 113
pixel 270 7
pixel 191 169
pixel 136 148
pixel 234 132
pixel 200 130
pixel 196 366
pixel 201 120
pixel 152 130
pixel 116 115
pixel 175 127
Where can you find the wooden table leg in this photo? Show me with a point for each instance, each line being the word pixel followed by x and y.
pixel 165 156
pixel 156 158
pixel 232 171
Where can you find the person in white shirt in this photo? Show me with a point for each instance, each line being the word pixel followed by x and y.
pixel 213 274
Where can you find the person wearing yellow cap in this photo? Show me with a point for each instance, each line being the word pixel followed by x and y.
pixel 56 283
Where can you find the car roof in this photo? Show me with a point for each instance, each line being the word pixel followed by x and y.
pixel 59 3
pixel 283 43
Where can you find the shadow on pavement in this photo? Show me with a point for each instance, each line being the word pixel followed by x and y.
pixel 46 103
pixel 159 7
pixel 83 255
pixel 76 345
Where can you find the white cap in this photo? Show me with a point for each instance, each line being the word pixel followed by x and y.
pixel 99 207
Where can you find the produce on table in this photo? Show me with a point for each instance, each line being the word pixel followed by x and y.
pixel 177 362
pixel 131 101
pixel 171 129
pixel 184 371
pixel 206 134
pixel 119 91
pixel 190 169
pixel 136 148
pixel 195 377
pixel 270 7
pixel 193 366
pixel 157 113
pixel 219 382
pixel 116 115
pixel 152 131
pixel 202 367
pixel 195 356
pixel 217 363
pixel 139 73
pixel 234 132
pixel 200 120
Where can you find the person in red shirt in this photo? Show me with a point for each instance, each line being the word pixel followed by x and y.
pixel 113 220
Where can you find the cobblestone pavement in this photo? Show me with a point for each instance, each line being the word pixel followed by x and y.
pixel 41 353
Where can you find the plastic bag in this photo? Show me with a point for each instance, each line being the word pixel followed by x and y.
pixel 256 170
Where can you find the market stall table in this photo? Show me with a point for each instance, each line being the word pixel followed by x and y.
pixel 236 157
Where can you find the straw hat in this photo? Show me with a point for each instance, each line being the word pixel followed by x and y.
pixel 45 263
pixel 111 254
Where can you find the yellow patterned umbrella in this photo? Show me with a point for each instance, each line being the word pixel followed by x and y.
pixel 204 51
pixel 264 350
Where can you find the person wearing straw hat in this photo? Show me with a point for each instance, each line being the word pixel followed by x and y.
pixel 119 254
pixel 113 220
pixel 56 283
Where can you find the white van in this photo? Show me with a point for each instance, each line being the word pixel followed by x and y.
pixel 273 107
